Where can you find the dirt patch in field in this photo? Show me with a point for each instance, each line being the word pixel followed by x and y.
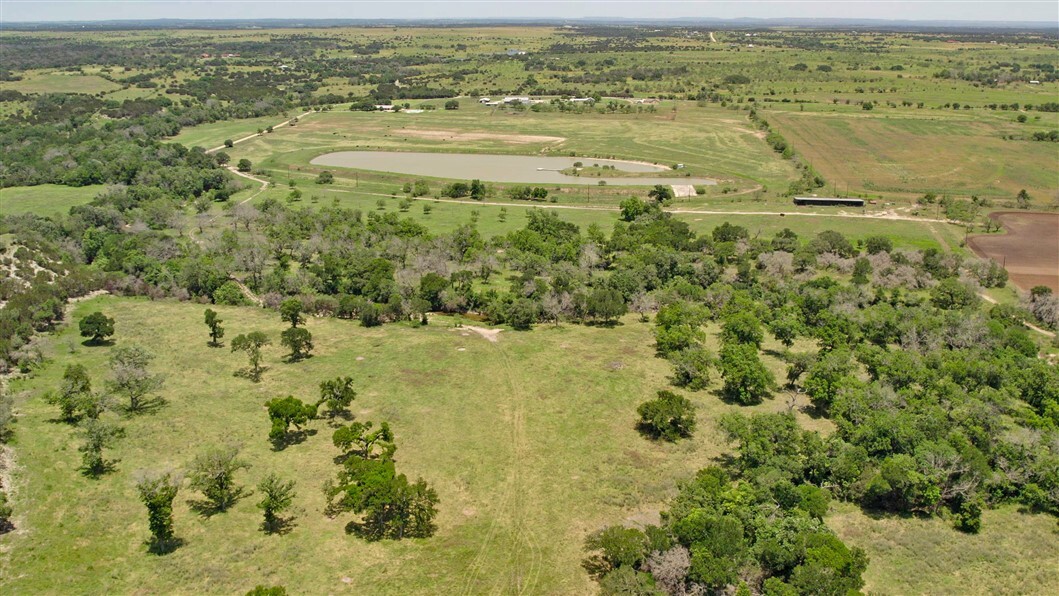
pixel 492 335
pixel 1029 250
pixel 452 135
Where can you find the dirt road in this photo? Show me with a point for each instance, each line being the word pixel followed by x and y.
pixel 257 134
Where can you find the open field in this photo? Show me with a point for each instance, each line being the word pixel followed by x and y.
pixel 1015 553
pixel 46 199
pixel 958 155
pixel 1029 250
pixel 563 460
pixel 214 134
pixel 57 82
pixel 712 143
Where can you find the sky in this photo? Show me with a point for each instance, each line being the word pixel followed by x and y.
pixel 101 10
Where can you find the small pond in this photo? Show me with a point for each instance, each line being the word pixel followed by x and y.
pixel 525 169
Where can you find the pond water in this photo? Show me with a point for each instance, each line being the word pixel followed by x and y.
pixel 526 169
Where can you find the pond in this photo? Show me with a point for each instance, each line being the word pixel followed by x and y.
pixel 525 169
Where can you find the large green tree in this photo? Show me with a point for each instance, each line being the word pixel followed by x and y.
pixel 390 506
pixel 97 327
pixel 285 411
pixel 299 341
pixel 746 380
pixel 668 417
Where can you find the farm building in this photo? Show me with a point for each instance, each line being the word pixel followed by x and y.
pixel 811 201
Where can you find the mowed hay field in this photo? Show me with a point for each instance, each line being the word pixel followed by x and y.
pixel 947 154
pixel 529 442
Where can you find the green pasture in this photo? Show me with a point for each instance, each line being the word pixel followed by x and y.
pixel 55 82
pixel 46 199
pixel 957 155
pixel 529 442
pixel 214 134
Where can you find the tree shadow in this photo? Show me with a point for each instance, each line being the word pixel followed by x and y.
pixel 292 437
pixel 281 526
pixel 59 420
pixel 879 514
pixel 813 411
pixel 105 467
pixel 215 344
pixel 249 373
pixel 651 434
pixel 341 458
pixel 605 324
pixel 146 406
pixel 332 417
pixel 727 461
pixel 102 343
pixel 734 401
pixel 781 356
pixel 292 358
pixel 366 531
pixel 207 508
pixel 164 547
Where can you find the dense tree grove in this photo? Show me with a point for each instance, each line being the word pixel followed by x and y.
pixel 725 533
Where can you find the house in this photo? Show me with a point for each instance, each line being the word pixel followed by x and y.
pixel 517 99
pixel 582 100
pixel 386 107
pixel 1035 82
pixel 516 52
pixel 819 201
pixel 484 100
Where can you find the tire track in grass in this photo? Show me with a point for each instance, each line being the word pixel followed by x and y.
pixel 478 562
pixel 527 565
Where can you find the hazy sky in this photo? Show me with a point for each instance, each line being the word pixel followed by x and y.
pixel 95 10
